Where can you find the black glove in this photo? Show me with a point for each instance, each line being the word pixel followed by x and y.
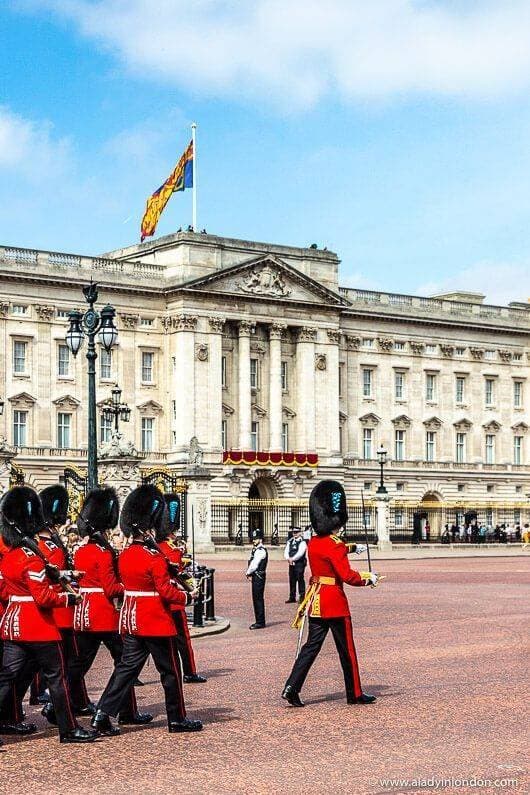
pixel 73 599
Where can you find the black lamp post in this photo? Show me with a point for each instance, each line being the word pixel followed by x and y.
pixel 88 325
pixel 381 457
pixel 1 407
pixel 115 410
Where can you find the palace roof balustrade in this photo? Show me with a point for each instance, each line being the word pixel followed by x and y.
pixel 365 463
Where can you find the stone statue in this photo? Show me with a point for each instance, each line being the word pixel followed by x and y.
pixel 196 454
pixel 117 447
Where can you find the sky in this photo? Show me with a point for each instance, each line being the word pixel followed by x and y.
pixel 394 132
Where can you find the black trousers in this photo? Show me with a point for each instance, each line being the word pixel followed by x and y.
pixel 341 630
pixel 37 681
pixel 47 657
pixel 296 578
pixel 11 709
pixel 183 641
pixel 88 644
pixel 258 600
pixel 136 650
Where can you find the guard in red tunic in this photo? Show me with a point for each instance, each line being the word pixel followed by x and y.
pixel 145 619
pixel 97 616
pixel 325 604
pixel 28 628
pixel 166 538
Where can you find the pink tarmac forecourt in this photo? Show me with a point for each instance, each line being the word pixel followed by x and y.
pixel 443 644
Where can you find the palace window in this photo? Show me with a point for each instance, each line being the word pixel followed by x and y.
pixel 105 428
pixel 460 388
pixel 224 434
pixel 367 382
pixel 490 448
pixel 517 357
pixel 253 373
pixel 398 517
pixel 254 436
pixel 285 437
pixel 430 349
pixel 285 377
pixel 148 429
pixel 399 439
pixel 517 449
pixel 20 428
pixel 341 379
pixel 460 351
pixel 63 360
pixel 64 422
pixel 460 448
pixel 368 437
pixel 105 364
pixel 430 446
pixel 399 386
pixel 147 367
pixel 19 309
pixel 489 355
pixel 368 342
pixel 223 372
pixel 489 391
pixel 430 386
pixel 20 356
pixel 399 346
pixel 518 394
pixel 174 408
pixel 146 321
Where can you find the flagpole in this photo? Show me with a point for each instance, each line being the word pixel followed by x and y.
pixel 194 189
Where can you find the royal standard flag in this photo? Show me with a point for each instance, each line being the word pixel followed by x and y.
pixel 181 177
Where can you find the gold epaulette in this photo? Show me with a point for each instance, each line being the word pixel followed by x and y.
pixel 337 539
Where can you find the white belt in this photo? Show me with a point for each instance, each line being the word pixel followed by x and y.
pixel 21 599
pixel 91 590
pixel 141 593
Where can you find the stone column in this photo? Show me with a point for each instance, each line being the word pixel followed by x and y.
pixel 44 430
pixel 215 385
pixel 381 522
pixel 245 411
pixel 183 384
pixel 333 404
pixel 275 386
pixel 199 509
pixel 305 389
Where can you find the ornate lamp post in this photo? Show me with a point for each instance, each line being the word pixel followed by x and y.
pixel 89 325
pixel 381 457
pixel 115 410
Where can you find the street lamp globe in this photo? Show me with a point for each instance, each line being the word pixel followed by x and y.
pixel 116 396
pixel 74 335
pixel 382 454
pixel 108 335
pixel 125 413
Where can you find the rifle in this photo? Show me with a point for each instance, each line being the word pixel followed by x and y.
pixel 380 577
pixel 52 571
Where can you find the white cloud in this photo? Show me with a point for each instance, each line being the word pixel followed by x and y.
pixel 501 281
pixel 30 148
pixel 295 52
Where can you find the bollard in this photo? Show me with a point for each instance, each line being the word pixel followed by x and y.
pixel 198 607
pixel 210 596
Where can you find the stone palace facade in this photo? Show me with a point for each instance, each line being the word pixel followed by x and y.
pixel 282 375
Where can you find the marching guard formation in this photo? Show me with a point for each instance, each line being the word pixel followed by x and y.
pixel 56 613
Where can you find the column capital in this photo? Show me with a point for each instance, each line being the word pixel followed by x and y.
pixel 216 324
pixel 184 322
pixel 246 328
pixel 307 334
pixel 277 331
pixel 353 343
pixel 334 336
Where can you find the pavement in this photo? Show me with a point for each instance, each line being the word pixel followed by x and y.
pixel 442 643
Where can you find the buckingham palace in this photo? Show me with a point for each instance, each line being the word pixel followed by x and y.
pixel 275 375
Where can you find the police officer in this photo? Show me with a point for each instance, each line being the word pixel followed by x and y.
pixel 28 630
pixel 257 573
pixel 146 623
pixel 295 552
pixel 326 605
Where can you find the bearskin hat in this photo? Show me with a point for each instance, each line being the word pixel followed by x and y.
pixel 100 511
pixel 171 518
pixel 20 514
pixel 327 507
pixel 54 501
pixel 142 510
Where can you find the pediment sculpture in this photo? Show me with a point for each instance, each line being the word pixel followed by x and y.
pixel 265 280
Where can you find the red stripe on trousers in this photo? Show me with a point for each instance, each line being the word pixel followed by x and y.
pixel 357 690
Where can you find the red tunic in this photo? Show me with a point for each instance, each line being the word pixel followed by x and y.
pixel 63 616
pixel 99 586
pixel 4 596
pixel 32 597
pixel 149 594
pixel 174 555
pixel 328 557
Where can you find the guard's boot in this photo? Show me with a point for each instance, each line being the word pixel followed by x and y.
pixel 48 712
pixel 102 724
pixel 290 695
pixel 364 698
pixel 78 735
pixel 18 728
pixel 86 712
pixel 137 719
pixel 185 725
pixel 194 679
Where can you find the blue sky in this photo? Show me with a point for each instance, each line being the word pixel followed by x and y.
pixel 395 132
